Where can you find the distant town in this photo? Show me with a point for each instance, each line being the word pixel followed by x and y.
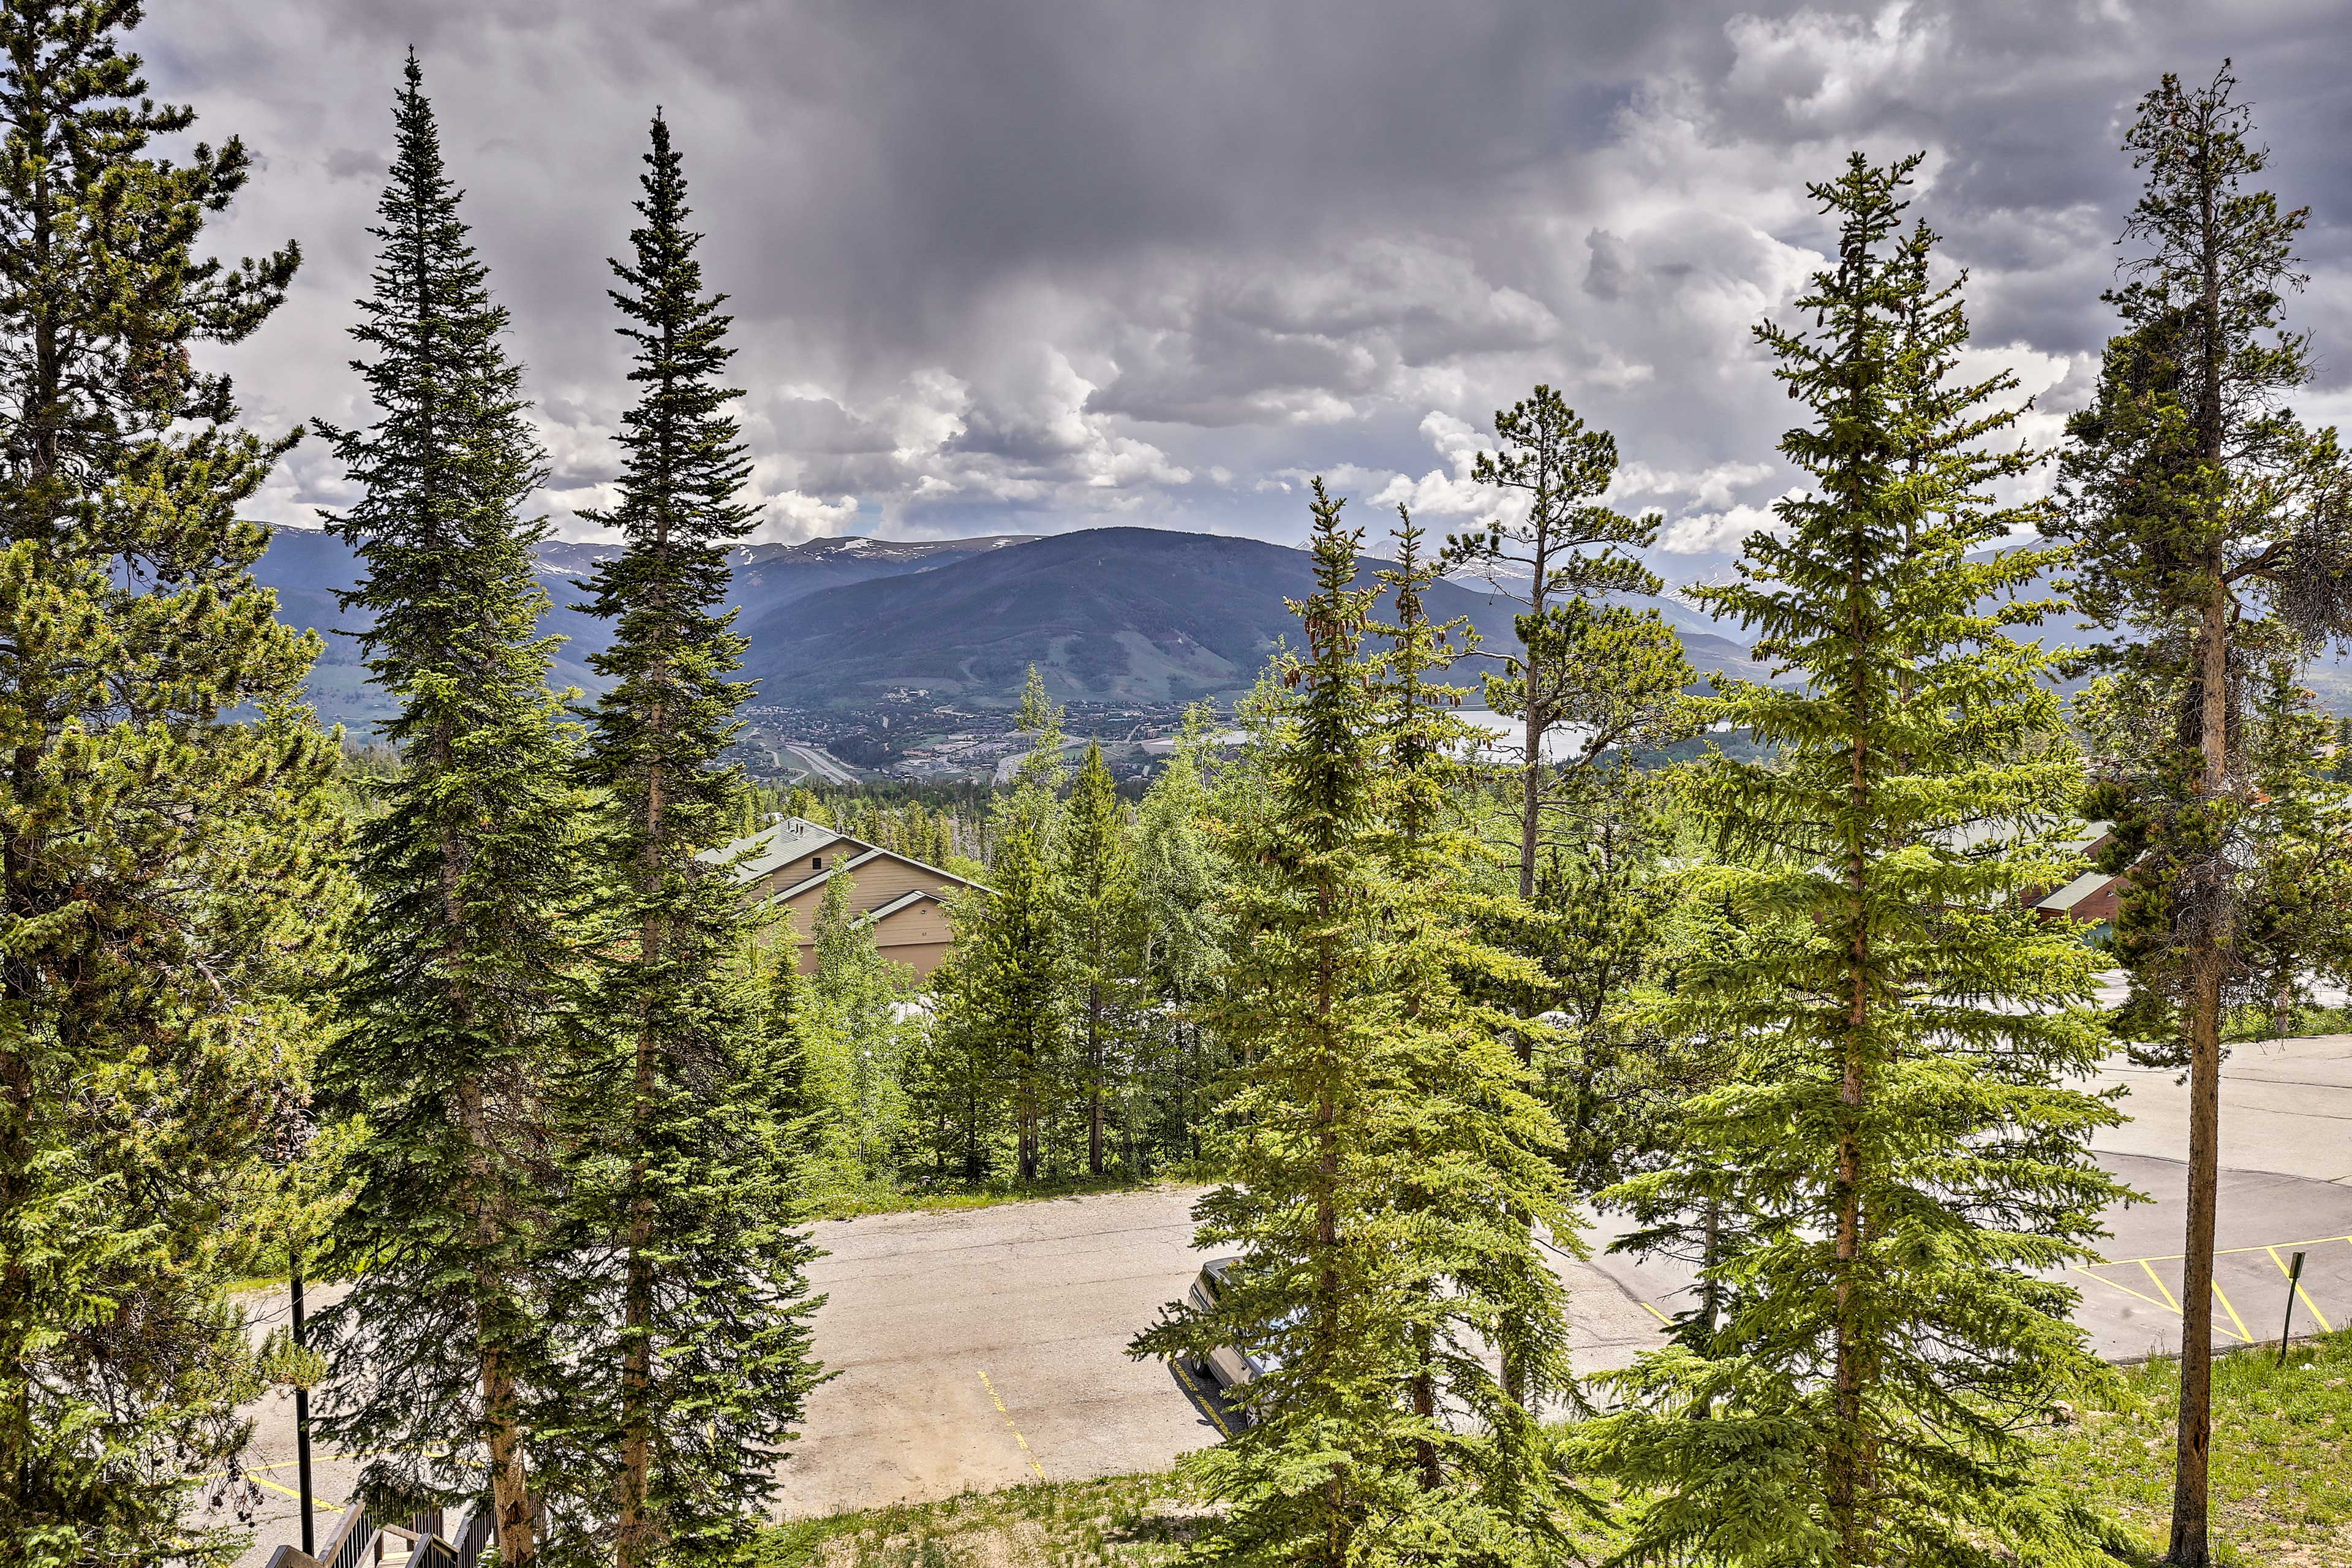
pixel 912 736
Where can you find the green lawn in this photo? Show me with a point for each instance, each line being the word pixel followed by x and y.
pixel 2282 1485
pixel 2282 1454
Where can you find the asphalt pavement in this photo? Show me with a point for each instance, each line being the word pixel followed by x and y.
pixel 983 1348
pixel 2285 1187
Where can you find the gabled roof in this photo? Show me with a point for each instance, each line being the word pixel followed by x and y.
pixel 905 901
pixel 780 843
pixel 2075 892
pixel 791 838
pixel 847 865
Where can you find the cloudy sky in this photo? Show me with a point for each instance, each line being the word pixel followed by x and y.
pixel 1033 265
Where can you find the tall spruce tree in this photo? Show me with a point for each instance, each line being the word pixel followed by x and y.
pixel 1009 944
pixel 163 870
pixel 1322 1297
pixel 1103 939
pixel 472 877
pixel 2214 534
pixel 695 1317
pixel 1380 1163
pixel 1184 935
pixel 1907 1159
pixel 1481 1181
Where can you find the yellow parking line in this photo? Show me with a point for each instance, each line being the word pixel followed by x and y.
pixel 2234 1314
pixel 1009 1422
pixel 2135 1295
pixel 290 1491
pixel 1655 1313
pixel 2165 1290
pixel 1201 1398
pixel 2228 1251
pixel 2300 1293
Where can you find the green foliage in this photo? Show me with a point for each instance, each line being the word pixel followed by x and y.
pixel 1102 932
pixel 1481 1185
pixel 1004 1031
pixel 169 886
pixel 1899 1147
pixel 466 974
pixel 1185 934
pixel 2213 536
pixel 856 1040
pixel 1388 1169
pixel 684 1298
pixel 1594 676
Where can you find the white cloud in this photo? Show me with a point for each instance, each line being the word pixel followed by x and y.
pixel 790 517
pixel 976 291
pixel 1699 532
pixel 1830 69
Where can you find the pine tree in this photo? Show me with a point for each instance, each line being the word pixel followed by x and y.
pixel 2214 534
pixel 1608 674
pixel 2299 908
pixel 857 1045
pixel 1329 1288
pixel 1481 1179
pixel 472 876
pixel 1101 930
pixel 1905 1158
pixel 1184 935
pixel 166 872
pixel 1009 946
pixel 694 1314
pixel 787 1028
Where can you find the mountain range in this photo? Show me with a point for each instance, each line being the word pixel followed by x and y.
pixel 1110 615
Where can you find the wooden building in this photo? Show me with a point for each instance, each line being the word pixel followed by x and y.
pixel 788 865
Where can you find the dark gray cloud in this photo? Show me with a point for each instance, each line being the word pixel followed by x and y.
pixel 1028 265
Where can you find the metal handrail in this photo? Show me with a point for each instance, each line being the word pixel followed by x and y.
pixel 357 1543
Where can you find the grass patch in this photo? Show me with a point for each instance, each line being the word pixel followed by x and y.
pixel 2282 1454
pixel 2247 1025
pixel 924 1197
pixel 1135 1521
pixel 2282 1485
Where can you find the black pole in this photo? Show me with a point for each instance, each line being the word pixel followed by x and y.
pixel 2293 1273
pixel 301 1410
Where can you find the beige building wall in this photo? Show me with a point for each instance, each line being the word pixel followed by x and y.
pixel 917 936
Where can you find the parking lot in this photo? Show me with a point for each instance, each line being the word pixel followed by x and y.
pixel 2285 1186
pixel 983 1348
pixel 987 1347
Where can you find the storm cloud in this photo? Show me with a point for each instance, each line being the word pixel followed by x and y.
pixel 1025 266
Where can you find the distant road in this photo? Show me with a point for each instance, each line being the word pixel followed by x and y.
pixel 818 763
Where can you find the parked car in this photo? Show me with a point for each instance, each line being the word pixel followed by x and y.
pixel 1227 1366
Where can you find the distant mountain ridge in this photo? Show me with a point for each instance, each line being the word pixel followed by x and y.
pixel 1131 615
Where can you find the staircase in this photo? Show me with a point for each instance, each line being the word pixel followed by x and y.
pixel 359 1541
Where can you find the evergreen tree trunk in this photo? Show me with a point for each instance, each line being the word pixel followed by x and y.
pixel 1900 1152
pixel 2192 1458
pixel 1094 1082
pixel 2206 537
